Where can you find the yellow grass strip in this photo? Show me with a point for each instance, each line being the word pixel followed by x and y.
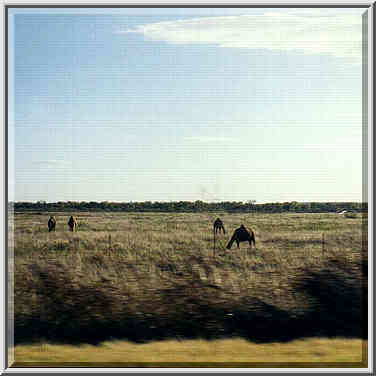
pixel 313 350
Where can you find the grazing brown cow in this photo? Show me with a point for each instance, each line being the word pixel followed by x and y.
pixel 218 226
pixel 72 223
pixel 242 234
pixel 51 223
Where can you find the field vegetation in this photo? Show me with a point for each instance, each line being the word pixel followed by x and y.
pixel 234 353
pixel 154 276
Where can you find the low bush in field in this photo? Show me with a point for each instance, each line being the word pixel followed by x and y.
pixel 350 215
pixel 144 281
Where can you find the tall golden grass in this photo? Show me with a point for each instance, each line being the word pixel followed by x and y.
pixel 228 353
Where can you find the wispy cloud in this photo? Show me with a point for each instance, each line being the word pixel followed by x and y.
pixel 52 163
pixel 211 139
pixel 314 31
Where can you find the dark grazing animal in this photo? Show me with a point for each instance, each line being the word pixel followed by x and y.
pixel 51 223
pixel 218 226
pixel 72 223
pixel 242 234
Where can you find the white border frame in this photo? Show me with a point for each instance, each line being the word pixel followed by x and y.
pixel 266 3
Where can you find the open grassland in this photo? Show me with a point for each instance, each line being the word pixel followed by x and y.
pixel 224 353
pixel 151 276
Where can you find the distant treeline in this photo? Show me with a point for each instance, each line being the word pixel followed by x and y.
pixel 188 206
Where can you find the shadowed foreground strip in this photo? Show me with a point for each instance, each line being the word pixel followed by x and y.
pixel 69 311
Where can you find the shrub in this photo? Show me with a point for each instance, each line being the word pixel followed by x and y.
pixel 351 215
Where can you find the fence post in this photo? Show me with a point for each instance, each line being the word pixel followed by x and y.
pixel 214 244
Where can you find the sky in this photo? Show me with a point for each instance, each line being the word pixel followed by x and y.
pixel 185 104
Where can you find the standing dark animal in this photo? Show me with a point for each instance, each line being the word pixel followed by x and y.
pixel 51 224
pixel 242 234
pixel 218 226
pixel 72 223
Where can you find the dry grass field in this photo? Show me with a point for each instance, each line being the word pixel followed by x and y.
pixel 143 277
pixel 223 353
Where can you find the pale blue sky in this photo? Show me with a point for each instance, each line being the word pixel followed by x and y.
pixel 185 104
